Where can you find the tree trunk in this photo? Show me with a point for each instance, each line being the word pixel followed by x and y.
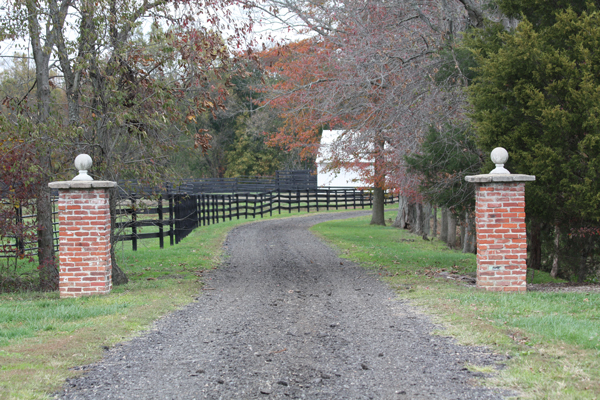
pixel 587 264
pixel 451 230
pixel 418 225
pixel 444 228
pixel 118 276
pixel 427 219
pixel 378 217
pixel 582 272
pixel 435 222
pixel 534 261
pixel 412 212
pixel 402 216
pixel 554 271
pixel 48 272
pixel 463 231
pixel 470 239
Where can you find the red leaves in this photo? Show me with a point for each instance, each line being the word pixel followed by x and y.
pixel 19 180
pixel 202 140
pixel 585 231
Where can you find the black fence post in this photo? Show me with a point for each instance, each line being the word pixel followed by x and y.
pixel 203 200
pixel 216 203
pixel 20 243
pixel 353 199
pixel 177 216
pixel 196 210
pixel 213 208
pixel 278 199
pixel 261 196
pixel 221 199
pixel 171 218
pixel 133 223
pixel 159 209
pixel 209 211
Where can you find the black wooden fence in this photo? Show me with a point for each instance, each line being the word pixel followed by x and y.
pixel 175 215
pixel 14 246
pixel 283 180
pixel 173 211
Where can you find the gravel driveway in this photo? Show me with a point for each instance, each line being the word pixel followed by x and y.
pixel 284 317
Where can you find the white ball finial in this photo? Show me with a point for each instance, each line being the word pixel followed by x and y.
pixel 83 163
pixel 499 157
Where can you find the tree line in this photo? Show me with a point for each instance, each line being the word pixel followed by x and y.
pixel 128 82
pixel 423 91
pixel 426 89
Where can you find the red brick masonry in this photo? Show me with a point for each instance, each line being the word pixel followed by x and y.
pixel 501 237
pixel 84 253
pixel 501 233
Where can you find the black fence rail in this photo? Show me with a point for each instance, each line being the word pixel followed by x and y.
pixel 173 211
pixel 283 180
pixel 176 215
pixel 13 246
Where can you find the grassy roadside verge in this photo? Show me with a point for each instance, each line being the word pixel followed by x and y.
pixel 553 339
pixel 43 339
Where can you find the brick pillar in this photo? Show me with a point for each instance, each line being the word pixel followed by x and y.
pixel 84 241
pixel 501 231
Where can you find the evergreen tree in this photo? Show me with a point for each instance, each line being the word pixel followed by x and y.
pixel 538 96
pixel 446 157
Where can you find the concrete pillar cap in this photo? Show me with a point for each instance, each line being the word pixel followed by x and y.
pixel 83 163
pixel 499 157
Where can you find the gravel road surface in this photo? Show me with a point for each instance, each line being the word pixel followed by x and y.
pixel 283 318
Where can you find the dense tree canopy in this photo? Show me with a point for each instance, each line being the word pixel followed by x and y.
pixel 537 95
pixel 370 70
pixel 446 156
pixel 134 74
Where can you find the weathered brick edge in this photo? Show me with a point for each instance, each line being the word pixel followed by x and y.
pixel 84 238
pixel 501 232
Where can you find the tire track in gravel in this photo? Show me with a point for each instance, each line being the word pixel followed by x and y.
pixel 288 319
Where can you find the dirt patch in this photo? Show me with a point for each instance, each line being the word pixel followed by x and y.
pixel 563 287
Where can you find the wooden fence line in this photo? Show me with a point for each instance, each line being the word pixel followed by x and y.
pixel 180 210
pixel 282 180
pixel 189 211
pixel 25 247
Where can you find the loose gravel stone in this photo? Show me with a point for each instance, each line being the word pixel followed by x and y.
pixel 285 309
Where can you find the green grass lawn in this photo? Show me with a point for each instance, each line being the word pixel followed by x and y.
pixel 553 338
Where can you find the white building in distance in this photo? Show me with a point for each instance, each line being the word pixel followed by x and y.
pixel 337 178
